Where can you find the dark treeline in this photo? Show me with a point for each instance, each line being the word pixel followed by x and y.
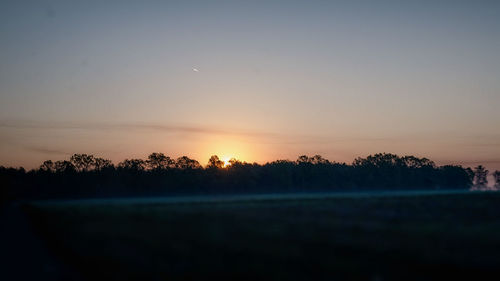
pixel 88 176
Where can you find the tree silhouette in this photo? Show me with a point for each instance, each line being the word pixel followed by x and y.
pixel 470 174
pixel 303 159
pixel 215 163
pixel 101 164
pixel 132 165
pixel 88 176
pixel 416 163
pixel 380 160
pixel 480 177
pixel 158 161
pixel 318 159
pixel 82 162
pixel 233 163
pixel 315 160
pixel 48 166
pixel 64 166
pixel 496 176
pixel 186 163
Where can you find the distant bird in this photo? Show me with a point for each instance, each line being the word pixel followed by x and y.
pixel 196 70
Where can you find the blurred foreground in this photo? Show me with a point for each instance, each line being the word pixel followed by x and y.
pixel 421 237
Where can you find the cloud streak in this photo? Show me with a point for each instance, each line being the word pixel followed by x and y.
pixel 256 137
pixel 45 150
pixel 252 135
pixel 166 128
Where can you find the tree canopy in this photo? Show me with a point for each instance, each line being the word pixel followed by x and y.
pixel 84 175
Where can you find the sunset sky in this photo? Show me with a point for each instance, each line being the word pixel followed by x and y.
pixel 255 80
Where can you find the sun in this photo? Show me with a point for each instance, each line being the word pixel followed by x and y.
pixel 226 161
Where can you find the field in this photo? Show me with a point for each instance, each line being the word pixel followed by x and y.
pixel 411 237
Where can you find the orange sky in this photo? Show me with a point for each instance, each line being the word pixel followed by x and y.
pixel 29 143
pixel 255 80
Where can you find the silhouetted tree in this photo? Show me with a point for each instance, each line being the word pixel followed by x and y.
pixel 215 162
pixel 496 176
pixel 101 164
pixel 82 162
pixel 480 177
pixel 132 164
pixel 417 163
pixel 450 176
pixel 98 177
pixel 48 166
pixel 279 173
pixel 318 159
pixel 158 161
pixel 185 163
pixel 470 174
pixel 303 159
pixel 64 166
pixel 379 160
pixel 233 162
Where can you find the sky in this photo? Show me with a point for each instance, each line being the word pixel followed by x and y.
pixel 254 80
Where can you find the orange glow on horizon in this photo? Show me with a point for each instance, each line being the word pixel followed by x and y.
pixel 227 148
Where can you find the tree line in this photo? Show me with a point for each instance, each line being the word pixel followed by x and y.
pixel 84 175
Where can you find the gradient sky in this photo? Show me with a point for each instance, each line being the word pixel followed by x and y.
pixel 255 80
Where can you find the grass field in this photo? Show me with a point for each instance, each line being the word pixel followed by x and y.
pixel 433 237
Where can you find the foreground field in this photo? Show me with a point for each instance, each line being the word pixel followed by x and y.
pixel 410 237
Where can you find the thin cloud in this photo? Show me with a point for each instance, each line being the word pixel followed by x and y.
pixel 251 135
pixel 134 126
pixel 478 162
pixel 275 138
pixel 45 150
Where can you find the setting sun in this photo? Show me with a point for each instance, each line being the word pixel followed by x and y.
pixel 227 162
pixel 288 139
